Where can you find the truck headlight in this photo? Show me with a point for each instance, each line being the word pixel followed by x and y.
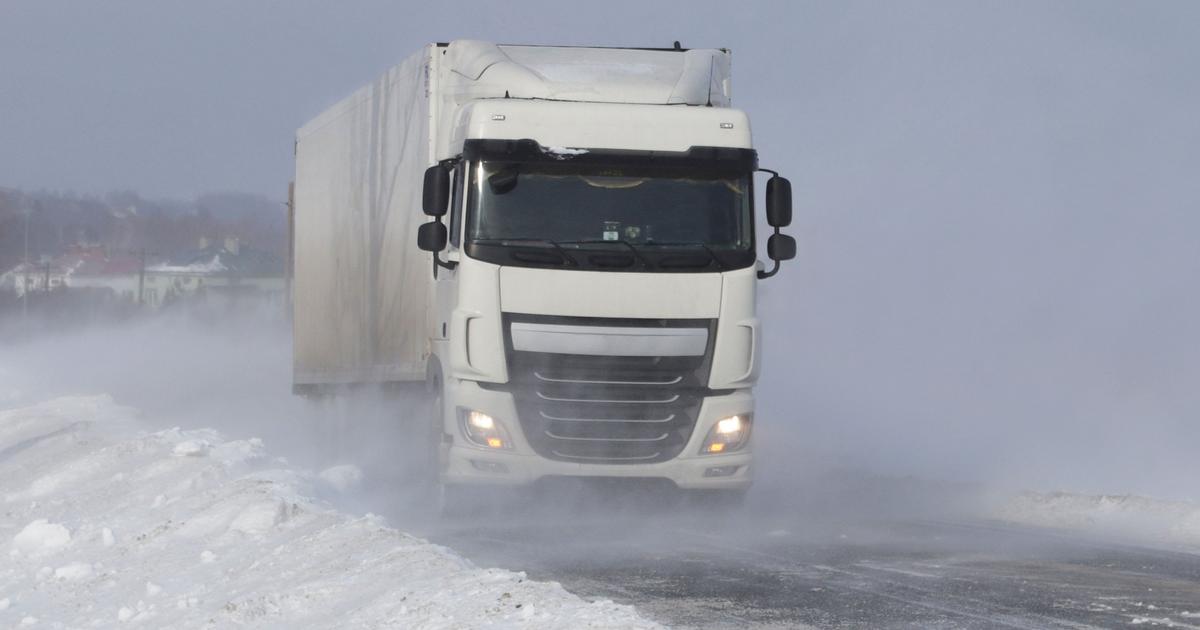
pixel 728 434
pixel 483 430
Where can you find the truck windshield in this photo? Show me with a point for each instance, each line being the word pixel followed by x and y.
pixel 568 206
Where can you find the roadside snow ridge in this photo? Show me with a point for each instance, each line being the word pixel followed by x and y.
pixel 110 525
pixel 1172 522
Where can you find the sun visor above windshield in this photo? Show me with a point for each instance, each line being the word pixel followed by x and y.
pixel 725 159
pixel 601 125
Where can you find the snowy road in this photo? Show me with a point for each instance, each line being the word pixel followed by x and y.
pixel 838 575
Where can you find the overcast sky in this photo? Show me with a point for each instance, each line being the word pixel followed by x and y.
pixel 997 202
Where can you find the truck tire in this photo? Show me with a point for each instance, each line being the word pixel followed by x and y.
pixel 431 438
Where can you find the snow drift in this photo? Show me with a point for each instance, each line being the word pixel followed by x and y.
pixel 1136 518
pixel 108 524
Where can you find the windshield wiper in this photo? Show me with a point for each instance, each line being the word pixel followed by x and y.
pixel 636 253
pixel 528 241
pixel 711 253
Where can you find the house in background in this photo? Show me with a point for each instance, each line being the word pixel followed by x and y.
pixel 226 270
pixel 94 268
pixel 38 277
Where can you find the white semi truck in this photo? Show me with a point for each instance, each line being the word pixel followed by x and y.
pixel 558 244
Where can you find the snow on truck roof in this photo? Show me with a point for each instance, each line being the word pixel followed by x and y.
pixel 604 75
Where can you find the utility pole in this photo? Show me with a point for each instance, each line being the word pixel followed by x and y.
pixel 25 288
pixel 141 289
pixel 142 277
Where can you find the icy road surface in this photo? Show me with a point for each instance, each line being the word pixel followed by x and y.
pixel 107 524
pixel 771 572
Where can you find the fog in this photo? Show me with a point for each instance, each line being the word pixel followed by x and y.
pixel 997 237
pixel 995 203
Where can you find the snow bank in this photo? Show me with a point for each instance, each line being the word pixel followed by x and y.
pixel 107 525
pixel 1155 520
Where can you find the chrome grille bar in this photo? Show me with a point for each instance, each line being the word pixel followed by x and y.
pixel 638 420
pixel 549 379
pixel 665 401
pixel 609 458
pixel 606 439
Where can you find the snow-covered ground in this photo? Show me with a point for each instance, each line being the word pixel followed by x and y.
pixel 1136 518
pixel 107 522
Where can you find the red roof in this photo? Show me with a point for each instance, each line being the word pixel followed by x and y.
pixel 93 262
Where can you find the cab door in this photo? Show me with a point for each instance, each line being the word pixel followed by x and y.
pixel 446 280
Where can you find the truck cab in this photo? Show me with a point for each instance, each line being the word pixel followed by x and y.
pixel 594 311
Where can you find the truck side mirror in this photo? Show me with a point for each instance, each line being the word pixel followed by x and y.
pixel 436 195
pixel 781 247
pixel 779 202
pixel 431 236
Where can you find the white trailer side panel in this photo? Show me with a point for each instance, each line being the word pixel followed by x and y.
pixel 362 287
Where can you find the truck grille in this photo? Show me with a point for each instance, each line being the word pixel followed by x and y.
pixel 608 409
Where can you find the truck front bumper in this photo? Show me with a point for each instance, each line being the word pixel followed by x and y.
pixel 465 463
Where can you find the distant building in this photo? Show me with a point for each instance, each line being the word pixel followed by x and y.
pixel 225 269
pixel 94 268
pixel 34 277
